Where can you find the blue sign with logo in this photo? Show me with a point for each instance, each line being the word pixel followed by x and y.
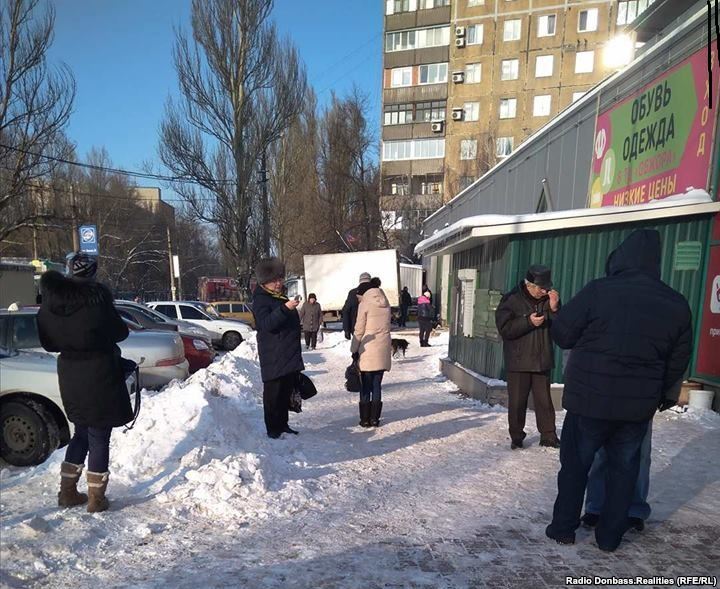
pixel 88 239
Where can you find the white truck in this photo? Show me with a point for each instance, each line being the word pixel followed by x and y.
pixel 331 276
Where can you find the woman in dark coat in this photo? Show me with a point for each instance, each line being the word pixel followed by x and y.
pixel 311 320
pixel 278 337
pixel 77 318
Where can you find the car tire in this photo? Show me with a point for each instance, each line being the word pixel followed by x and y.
pixel 231 340
pixel 28 433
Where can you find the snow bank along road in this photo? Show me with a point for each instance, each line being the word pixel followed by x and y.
pixel 434 498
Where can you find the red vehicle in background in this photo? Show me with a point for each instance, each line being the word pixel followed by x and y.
pixel 218 289
pixel 197 352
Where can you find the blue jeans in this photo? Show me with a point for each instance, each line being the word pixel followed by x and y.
pixel 94 441
pixel 595 495
pixel 371 386
pixel 581 438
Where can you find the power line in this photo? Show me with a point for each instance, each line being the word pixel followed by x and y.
pixel 118 171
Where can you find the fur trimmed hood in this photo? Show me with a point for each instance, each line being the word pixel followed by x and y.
pixel 64 296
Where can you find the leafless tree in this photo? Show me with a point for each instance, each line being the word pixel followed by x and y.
pixel 242 85
pixel 35 104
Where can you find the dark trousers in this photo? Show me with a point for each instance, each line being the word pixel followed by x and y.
pixel 94 441
pixel 425 329
pixel 582 437
pixel 403 315
pixel 276 399
pixel 371 386
pixel 310 339
pixel 519 386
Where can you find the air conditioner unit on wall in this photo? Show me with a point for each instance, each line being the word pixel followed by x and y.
pixel 458 77
pixel 457 114
pixel 459 31
pixel 437 127
pixel 460 42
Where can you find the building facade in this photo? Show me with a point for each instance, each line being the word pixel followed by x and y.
pixel 465 81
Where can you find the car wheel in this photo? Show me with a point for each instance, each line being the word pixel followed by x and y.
pixel 28 433
pixel 231 340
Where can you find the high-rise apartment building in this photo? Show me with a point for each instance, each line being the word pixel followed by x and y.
pixel 465 81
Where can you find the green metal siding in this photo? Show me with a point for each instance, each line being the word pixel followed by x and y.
pixel 576 257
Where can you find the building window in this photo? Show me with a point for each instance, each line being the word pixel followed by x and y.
pixel 584 62
pixel 401 76
pixel 541 105
pixel 546 25
pixel 510 69
pixel 473 73
pixel 399 189
pixel 398 114
pixel 578 95
pixel 629 10
pixel 434 73
pixel 544 65
pixel 413 149
pixel 431 188
pixel 426 4
pixel 511 30
pixel 472 111
pixel 401 6
pixel 508 108
pixel 475 34
pixel 503 146
pixel 430 111
pixel 468 149
pixel 417 39
pixel 588 20
pixel 472 3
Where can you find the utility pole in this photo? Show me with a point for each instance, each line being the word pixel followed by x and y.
pixel 265 205
pixel 73 211
pixel 35 250
pixel 170 264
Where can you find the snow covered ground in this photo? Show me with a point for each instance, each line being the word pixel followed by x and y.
pixel 433 498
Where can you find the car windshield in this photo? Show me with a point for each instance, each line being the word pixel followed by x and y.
pixel 210 310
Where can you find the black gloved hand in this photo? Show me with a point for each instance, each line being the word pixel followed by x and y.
pixel 665 404
pixel 355 356
pixel 347 335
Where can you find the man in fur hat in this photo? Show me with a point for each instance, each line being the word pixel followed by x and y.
pixel 278 337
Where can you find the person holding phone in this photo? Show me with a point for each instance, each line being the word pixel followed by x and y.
pixel 278 338
pixel 523 319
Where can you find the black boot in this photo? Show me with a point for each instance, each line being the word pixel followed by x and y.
pixel 375 411
pixel 364 414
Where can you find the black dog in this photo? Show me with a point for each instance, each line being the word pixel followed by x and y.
pixel 399 344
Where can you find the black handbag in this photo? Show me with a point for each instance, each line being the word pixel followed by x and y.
pixel 352 378
pixel 306 387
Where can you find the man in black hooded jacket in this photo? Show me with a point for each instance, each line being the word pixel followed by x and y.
pixel 631 339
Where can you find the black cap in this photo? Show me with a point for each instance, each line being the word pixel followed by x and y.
pixel 539 275
pixel 363 288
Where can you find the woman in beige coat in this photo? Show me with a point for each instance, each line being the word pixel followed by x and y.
pixel 372 349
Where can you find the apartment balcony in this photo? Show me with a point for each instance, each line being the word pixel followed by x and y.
pixel 394 202
pixel 423 93
pixel 418 18
pixel 422 130
pixel 439 54
pixel 413 167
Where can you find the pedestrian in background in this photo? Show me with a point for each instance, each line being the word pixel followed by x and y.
pixel 405 303
pixel 278 337
pixel 426 315
pixel 523 319
pixel 311 320
pixel 372 348
pixel 78 319
pixel 631 340
pixel 350 309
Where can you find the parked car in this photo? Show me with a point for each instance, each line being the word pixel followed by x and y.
pixel 33 423
pixel 151 319
pixel 160 355
pixel 235 310
pixel 198 352
pixel 227 333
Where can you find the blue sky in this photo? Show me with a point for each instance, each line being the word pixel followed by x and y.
pixel 120 52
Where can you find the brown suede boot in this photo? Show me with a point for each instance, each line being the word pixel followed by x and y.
pixel 97 485
pixel 69 477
